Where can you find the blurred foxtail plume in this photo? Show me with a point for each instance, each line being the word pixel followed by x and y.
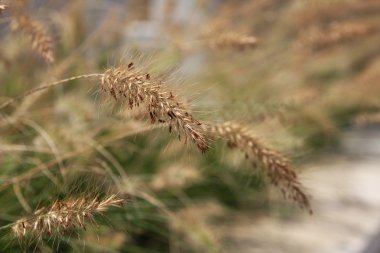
pixel 41 41
pixel 274 165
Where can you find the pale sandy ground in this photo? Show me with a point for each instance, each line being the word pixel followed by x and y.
pixel 346 200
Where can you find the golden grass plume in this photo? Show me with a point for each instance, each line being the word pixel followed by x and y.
pixel 41 40
pixel 63 216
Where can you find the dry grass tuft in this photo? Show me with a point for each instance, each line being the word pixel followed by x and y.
pixel 276 166
pixel 162 105
pixel 365 119
pixel 42 42
pixel 233 40
pixel 175 177
pixel 63 216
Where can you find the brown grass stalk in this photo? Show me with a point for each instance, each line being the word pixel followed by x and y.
pixel 275 165
pixel 47 86
pixel 63 216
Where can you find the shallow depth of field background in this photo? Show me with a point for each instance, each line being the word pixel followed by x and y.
pixel 307 81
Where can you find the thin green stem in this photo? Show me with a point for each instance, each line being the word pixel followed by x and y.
pixel 7 226
pixel 48 86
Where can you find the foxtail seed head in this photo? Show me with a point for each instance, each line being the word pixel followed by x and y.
pixel 62 216
pixel 163 106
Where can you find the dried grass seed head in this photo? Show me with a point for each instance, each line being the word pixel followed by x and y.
pixel 140 88
pixel 63 216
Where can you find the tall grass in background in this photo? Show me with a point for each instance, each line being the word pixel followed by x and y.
pixel 114 143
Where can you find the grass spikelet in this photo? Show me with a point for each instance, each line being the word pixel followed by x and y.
pixel 276 166
pixel 233 40
pixel 63 216
pixel 41 41
pixel 163 106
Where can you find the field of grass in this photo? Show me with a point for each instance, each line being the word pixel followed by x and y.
pixel 134 126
